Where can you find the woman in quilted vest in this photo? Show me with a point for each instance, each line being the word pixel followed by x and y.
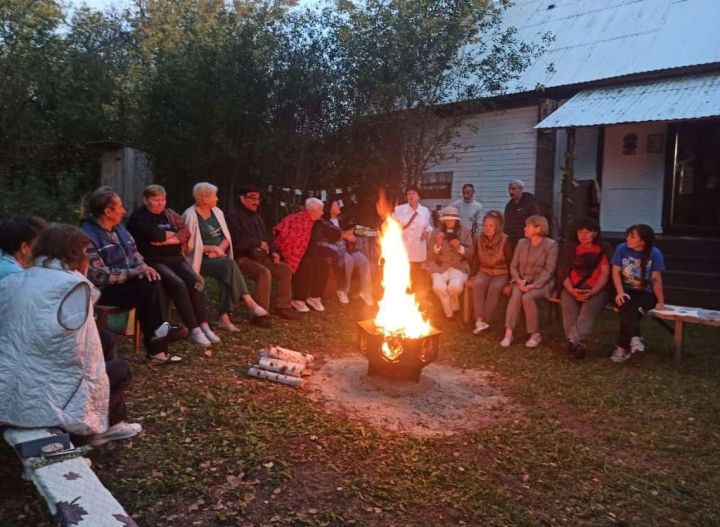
pixel 449 251
pixel 494 252
pixel 56 375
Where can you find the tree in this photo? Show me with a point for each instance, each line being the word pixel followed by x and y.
pixel 409 62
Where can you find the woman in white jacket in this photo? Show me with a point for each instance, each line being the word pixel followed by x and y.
pixel 210 252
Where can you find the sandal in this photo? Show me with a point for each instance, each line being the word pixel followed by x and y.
pixel 163 359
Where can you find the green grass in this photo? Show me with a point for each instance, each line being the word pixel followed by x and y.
pixel 595 443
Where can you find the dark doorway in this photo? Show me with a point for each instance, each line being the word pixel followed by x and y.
pixel 693 204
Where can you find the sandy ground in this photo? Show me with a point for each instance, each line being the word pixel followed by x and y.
pixel 445 401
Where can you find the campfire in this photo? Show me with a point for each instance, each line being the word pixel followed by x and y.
pixel 398 342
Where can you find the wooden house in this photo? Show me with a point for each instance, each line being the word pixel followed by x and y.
pixel 624 105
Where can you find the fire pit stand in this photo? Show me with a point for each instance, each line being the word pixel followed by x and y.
pixel 404 359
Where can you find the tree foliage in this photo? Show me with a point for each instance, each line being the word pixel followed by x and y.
pixel 251 91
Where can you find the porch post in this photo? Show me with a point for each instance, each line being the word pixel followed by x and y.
pixel 568 183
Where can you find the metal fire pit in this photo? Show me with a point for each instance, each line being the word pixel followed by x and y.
pixel 414 356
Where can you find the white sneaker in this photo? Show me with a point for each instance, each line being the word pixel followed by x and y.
pixel 342 297
pixel 300 305
pixel 636 344
pixel 117 431
pixel 480 326
pixel 620 355
pixel 533 341
pixel 505 342
pixel 198 337
pixel 210 334
pixel 315 303
pixel 259 311
pixel 368 299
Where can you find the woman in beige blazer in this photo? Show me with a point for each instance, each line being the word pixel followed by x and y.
pixel 531 277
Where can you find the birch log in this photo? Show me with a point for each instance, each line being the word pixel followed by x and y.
pixel 255 371
pixel 281 366
pixel 291 355
pixel 285 354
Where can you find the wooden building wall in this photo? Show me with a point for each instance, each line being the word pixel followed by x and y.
pixel 502 146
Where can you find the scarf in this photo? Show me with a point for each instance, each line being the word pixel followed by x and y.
pixel 292 237
pixel 491 253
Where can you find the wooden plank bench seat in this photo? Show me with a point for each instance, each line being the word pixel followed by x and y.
pixel 74 494
pixel 101 319
pixel 680 315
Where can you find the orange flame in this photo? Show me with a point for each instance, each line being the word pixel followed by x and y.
pixel 398 314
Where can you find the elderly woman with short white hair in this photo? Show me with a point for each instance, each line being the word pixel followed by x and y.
pixel 297 237
pixel 209 250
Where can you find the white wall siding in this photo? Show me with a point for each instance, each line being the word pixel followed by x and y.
pixel 502 146
pixel 632 188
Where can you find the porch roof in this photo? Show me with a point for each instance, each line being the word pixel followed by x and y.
pixel 688 97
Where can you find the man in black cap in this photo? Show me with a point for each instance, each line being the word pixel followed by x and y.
pixel 256 255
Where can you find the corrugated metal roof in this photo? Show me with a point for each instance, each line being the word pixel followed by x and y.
pixel 603 39
pixel 689 97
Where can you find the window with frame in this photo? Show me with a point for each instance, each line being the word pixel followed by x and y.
pixel 437 185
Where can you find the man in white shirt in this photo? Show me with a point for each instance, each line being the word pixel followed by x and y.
pixel 469 210
pixel 416 223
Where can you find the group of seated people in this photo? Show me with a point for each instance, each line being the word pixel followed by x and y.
pixel 585 274
pixel 66 373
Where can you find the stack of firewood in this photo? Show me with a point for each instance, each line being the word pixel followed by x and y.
pixel 282 365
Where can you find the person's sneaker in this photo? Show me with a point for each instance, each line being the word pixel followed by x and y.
pixel 287 313
pixel 620 355
pixel 342 297
pixel 533 341
pixel 315 303
pixel 117 431
pixel 259 311
pixel 300 306
pixel 367 298
pixel 210 334
pixel 506 341
pixel 480 325
pixel 580 351
pixel 166 333
pixel 198 337
pixel 636 344
pixel 262 322
pixel 571 347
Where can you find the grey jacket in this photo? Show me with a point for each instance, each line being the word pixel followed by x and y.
pixel 535 263
pixel 449 257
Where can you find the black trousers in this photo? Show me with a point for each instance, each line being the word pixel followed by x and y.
pixel 120 375
pixel 185 288
pixel 311 276
pixel 631 312
pixel 144 296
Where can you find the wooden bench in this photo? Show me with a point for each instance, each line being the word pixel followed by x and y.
pixel 681 314
pixel 101 318
pixel 74 494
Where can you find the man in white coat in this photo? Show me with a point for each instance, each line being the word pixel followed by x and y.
pixel 416 223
